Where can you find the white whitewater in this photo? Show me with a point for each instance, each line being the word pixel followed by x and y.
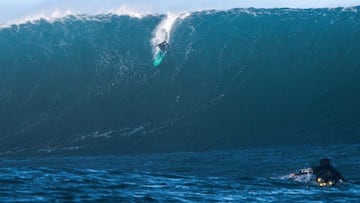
pixel 58 15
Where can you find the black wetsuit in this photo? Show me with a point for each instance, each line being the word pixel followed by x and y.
pixel 163 46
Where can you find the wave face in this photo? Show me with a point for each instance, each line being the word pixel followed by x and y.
pixel 241 77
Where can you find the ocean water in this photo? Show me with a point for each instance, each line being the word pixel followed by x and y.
pixel 257 174
pixel 86 84
pixel 242 98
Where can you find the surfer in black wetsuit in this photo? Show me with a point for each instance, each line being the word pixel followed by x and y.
pixel 163 46
pixel 326 175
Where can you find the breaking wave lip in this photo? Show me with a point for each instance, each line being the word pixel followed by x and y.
pixel 58 15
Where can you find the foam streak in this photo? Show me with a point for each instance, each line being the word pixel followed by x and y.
pixel 163 31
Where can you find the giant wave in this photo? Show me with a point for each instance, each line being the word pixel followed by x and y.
pixel 242 77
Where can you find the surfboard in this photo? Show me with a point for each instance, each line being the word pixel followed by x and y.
pixel 159 58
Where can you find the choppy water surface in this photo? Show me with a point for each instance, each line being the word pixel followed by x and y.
pixel 258 174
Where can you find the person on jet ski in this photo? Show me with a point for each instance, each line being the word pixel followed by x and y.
pixel 326 175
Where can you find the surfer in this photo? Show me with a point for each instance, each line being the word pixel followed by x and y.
pixel 163 46
pixel 160 54
pixel 326 175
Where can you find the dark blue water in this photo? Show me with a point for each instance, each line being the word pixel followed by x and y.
pixel 244 77
pixel 245 175
pixel 243 98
